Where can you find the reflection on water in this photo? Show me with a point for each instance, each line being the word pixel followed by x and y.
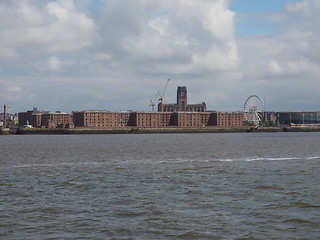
pixel 160 186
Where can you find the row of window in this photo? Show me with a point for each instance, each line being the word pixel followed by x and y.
pixel 153 119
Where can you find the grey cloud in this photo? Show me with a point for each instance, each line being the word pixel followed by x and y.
pixel 65 59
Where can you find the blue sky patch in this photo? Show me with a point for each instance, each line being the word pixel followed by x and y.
pixel 251 16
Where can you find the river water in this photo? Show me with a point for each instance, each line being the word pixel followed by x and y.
pixel 160 186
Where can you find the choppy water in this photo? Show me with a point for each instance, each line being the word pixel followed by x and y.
pixel 178 186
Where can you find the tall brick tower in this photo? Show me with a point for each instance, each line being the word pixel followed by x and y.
pixel 182 99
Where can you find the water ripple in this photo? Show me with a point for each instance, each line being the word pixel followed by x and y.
pixel 199 186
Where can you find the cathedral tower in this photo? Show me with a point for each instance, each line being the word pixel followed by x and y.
pixel 182 99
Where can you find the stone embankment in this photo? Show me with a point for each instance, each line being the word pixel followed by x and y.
pixel 4 131
pixel 162 130
pixel 129 130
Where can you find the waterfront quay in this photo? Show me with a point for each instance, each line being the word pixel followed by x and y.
pixel 180 116
pixel 172 130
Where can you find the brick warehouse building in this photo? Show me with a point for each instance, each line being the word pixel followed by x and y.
pixel 32 117
pixel 228 119
pixel 181 115
pixel 107 119
pixel 56 120
pixel 101 119
pixel 151 119
pixel 182 103
pixel 38 119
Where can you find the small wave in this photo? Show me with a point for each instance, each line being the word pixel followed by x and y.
pixel 193 234
pixel 311 158
pixel 306 205
pixel 128 213
pixel 259 159
pixel 298 221
pixel 40 165
pixel 272 159
pixel 227 160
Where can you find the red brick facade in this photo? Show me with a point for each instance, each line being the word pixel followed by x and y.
pixel 151 119
pixel 38 119
pixel 56 120
pixel 106 119
pixel 100 119
pixel 227 119
pixel 32 118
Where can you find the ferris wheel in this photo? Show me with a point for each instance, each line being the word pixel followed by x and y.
pixel 254 109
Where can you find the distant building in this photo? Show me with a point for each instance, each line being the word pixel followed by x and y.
pixel 151 119
pixel 11 120
pixel 193 119
pixel 228 119
pixel 32 117
pixel 289 118
pixel 56 119
pixel 269 116
pixel 178 115
pixel 182 103
pixel 38 119
pixel 107 119
pixel 101 119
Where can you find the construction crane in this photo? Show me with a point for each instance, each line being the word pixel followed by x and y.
pixel 152 101
pixel 161 95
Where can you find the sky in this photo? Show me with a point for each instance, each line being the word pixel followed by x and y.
pixel 73 55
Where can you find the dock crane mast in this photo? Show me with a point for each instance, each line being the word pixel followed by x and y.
pixel 161 95
pixel 152 101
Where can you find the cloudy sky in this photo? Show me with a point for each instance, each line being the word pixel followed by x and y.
pixel 115 55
